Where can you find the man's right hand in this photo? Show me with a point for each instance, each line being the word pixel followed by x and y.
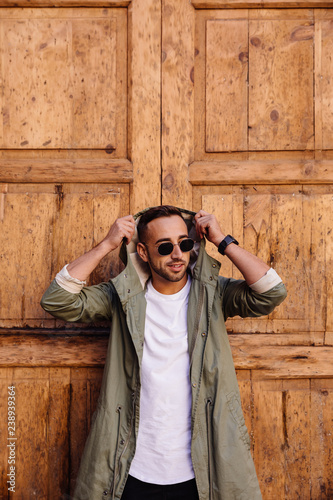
pixel 83 266
pixel 122 228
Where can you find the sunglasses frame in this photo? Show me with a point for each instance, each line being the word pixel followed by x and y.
pixel 173 245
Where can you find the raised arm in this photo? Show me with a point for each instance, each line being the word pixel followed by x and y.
pixel 83 266
pixel 251 267
pixel 67 298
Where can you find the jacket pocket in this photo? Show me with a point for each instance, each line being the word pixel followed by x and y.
pixel 237 414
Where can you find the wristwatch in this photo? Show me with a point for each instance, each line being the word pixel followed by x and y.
pixel 224 243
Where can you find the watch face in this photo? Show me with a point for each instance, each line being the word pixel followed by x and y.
pixel 224 243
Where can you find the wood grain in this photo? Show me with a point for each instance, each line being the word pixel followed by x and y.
pixel 321 438
pixel 177 101
pixel 73 350
pixel 261 172
pixel 227 56
pixel 65 3
pixel 281 85
pixel 65 170
pixel 281 421
pixel 57 223
pixel 69 82
pixel 264 4
pixel 267 218
pixel 144 106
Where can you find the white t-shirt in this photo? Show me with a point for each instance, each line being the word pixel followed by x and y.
pixel 163 452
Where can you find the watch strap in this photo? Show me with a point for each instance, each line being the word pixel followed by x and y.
pixel 224 243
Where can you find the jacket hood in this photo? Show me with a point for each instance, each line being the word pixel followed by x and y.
pixel 141 267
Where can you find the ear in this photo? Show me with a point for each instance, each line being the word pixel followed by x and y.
pixel 142 251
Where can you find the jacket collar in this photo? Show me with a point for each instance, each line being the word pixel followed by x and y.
pixel 132 280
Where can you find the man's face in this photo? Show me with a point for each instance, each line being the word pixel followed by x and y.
pixel 167 268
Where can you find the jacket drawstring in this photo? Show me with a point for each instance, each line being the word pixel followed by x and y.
pixel 209 403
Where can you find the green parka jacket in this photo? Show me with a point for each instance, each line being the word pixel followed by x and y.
pixel 221 457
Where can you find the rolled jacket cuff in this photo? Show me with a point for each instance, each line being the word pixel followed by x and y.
pixel 268 281
pixel 68 283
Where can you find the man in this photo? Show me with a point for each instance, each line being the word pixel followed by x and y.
pixel 169 423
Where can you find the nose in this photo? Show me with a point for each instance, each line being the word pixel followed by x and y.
pixel 176 252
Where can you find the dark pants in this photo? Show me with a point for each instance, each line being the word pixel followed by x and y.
pixel 138 490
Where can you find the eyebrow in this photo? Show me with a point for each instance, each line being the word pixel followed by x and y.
pixel 169 239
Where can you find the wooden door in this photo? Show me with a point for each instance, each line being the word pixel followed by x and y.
pixel 247 134
pixel 111 106
pixel 79 146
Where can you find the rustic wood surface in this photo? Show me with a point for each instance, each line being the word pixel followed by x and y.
pixel 250 352
pixel 110 106
pixel 177 101
pixel 261 172
pixel 264 4
pixel 144 91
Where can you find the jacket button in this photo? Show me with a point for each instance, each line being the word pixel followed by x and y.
pixel 203 334
pixel 128 291
pixel 210 278
pixel 214 265
pixel 105 492
pixel 194 385
pixel 122 442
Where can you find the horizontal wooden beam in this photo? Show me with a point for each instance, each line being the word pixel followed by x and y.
pixel 53 349
pixel 263 4
pixel 250 352
pixel 51 170
pixel 65 3
pixel 261 172
pixel 285 361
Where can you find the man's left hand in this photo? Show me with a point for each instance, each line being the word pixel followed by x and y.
pixel 207 225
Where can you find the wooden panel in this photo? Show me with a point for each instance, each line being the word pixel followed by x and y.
pixel 257 97
pixel 274 359
pixel 57 224
pixel 204 19
pixel 261 171
pixel 85 385
pixel 177 101
pixel 280 85
pixel 281 416
pixel 325 77
pixel 27 217
pixel 226 85
pixel 145 102
pixel 328 232
pixel 64 170
pixel 65 3
pixel 264 219
pixel 253 4
pixel 245 387
pixel 70 82
pixel 46 400
pixel 321 438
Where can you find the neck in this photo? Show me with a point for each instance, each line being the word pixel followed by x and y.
pixel 166 287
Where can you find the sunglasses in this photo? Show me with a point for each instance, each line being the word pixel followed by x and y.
pixel 185 245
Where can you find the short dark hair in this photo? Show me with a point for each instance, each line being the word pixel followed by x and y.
pixel 155 213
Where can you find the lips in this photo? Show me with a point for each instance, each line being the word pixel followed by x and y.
pixel 176 266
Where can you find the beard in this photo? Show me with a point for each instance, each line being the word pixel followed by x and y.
pixel 167 273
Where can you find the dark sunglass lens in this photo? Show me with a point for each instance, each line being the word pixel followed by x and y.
pixel 165 248
pixel 186 245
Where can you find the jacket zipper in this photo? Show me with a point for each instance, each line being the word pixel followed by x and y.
pixel 118 410
pixel 117 462
pixel 197 319
pixel 209 403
